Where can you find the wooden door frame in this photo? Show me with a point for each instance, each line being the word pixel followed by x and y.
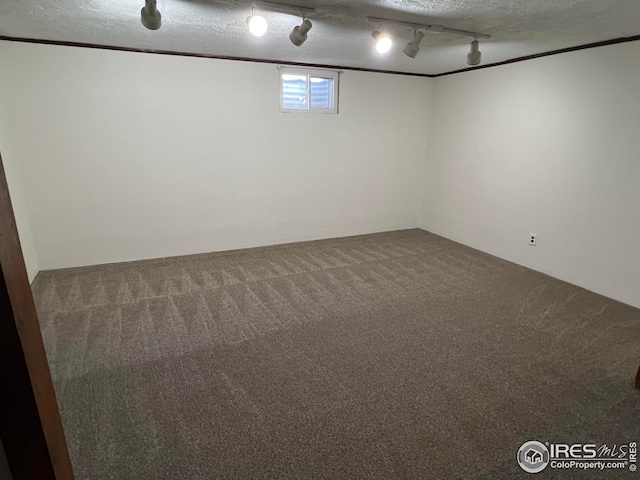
pixel 30 425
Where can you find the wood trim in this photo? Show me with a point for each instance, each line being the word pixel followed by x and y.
pixel 587 46
pixel 204 55
pixel 22 437
pixel 544 54
pixel 30 424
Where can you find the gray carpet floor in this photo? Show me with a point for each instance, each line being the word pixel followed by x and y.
pixel 400 355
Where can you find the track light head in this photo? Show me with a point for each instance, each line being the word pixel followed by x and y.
pixel 257 24
pixel 413 47
pixel 150 15
pixel 299 34
pixel 383 42
pixel 475 56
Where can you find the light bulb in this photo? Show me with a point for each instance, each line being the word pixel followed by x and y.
pixel 257 25
pixel 383 43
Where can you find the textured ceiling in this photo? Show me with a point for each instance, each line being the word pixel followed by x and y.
pixel 341 34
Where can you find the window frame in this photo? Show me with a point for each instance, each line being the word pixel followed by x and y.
pixel 333 75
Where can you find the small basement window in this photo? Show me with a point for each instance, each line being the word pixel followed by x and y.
pixel 308 90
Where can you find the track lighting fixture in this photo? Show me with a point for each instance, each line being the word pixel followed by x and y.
pixel 151 19
pixel 475 56
pixel 299 34
pixel 413 47
pixel 150 15
pixel 257 24
pixel 383 42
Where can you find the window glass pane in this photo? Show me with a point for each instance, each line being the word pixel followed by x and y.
pixel 321 92
pixel 294 91
pixel 306 90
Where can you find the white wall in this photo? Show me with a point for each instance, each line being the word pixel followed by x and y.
pixel 128 156
pixel 14 181
pixel 549 146
pixel 120 156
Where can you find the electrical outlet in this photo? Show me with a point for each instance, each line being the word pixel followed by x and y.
pixel 533 239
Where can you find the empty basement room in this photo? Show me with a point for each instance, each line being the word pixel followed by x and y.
pixel 320 240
